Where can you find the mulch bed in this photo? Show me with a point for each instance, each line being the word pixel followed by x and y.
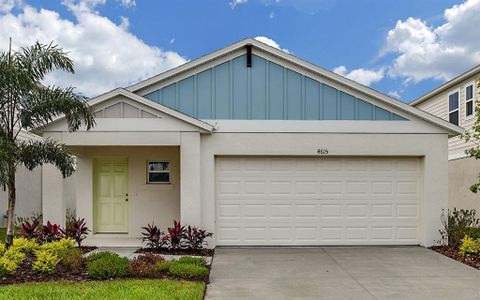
pixel 472 260
pixel 166 251
pixel 86 249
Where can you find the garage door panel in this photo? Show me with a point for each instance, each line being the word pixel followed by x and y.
pixel 317 201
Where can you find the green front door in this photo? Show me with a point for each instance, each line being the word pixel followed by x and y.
pixel 110 197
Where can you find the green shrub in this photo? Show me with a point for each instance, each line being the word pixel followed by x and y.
pixel 107 265
pixel 58 246
pixel 46 261
pixel 2 248
pixel 469 246
pixel 71 259
pixel 473 232
pixel 27 246
pixel 164 266
pixel 144 266
pixel 199 261
pixel 10 261
pixel 455 224
pixel 188 271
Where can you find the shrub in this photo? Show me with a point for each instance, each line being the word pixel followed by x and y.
pixel 153 236
pixel 199 261
pixel 469 246
pixel 455 224
pixel 164 266
pixel 107 265
pixel 188 271
pixel 144 266
pixel 473 232
pixel 195 237
pixel 50 232
pixel 76 229
pixel 10 261
pixel 58 246
pixel 29 229
pixel 46 261
pixel 2 248
pixel 25 245
pixel 175 236
pixel 71 259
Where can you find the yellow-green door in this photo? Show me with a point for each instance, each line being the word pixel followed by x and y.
pixel 110 186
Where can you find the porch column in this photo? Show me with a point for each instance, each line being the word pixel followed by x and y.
pixel 190 203
pixel 53 206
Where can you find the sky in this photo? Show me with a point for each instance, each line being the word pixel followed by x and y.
pixel 400 48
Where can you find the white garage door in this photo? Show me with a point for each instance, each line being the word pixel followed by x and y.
pixel 317 201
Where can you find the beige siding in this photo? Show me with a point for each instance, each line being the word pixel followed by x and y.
pixel 438 106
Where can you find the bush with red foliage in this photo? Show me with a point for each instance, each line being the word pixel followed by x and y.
pixel 195 237
pixel 50 232
pixel 153 236
pixel 76 229
pixel 175 236
pixel 30 230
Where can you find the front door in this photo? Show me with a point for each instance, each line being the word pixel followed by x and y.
pixel 110 185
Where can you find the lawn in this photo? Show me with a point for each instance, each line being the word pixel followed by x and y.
pixel 118 289
pixel 3 232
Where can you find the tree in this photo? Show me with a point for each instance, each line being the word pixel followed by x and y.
pixel 25 104
pixel 473 135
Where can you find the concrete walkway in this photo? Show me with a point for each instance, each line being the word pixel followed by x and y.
pixel 340 273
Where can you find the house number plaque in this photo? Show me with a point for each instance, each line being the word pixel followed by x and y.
pixel 322 151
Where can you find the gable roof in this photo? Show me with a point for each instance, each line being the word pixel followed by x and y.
pixel 309 67
pixel 465 75
pixel 205 127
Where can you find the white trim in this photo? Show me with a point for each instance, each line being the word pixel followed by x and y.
pixel 307 67
pixel 470 83
pixel 457 91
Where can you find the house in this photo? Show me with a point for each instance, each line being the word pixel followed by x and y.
pixel 28 189
pixel 455 101
pixel 260 148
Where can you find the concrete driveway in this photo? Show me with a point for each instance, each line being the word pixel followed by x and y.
pixel 340 273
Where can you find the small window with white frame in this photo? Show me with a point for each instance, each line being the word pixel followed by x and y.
pixel 469 100
pixel 158 172
pixel 453 108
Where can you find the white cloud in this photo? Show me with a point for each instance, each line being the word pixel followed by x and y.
pixel 363 76
pixel 234 3
pixel 7 5
pixel 172 40
pixel 105 54
pixel 125 23
pixel 394 94
pixel 426 52
pixel 271 15
pixel 128 3
pixel 270 42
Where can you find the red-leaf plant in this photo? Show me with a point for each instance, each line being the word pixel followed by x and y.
pixel 76 229
pixel 153 236
pixel 195 237
pixel 175 236
pixel 30 230
pixel 50 232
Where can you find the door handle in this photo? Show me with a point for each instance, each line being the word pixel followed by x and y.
pixel 126 199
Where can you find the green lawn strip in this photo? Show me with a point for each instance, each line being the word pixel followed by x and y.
pixel 116 289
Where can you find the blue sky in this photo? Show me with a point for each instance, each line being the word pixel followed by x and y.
pixel 402 48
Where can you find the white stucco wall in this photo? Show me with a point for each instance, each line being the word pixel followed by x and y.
pixel 29 194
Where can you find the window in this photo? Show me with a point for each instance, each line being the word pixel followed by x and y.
pixel 158 172
pixel 469 100
pixel 453 108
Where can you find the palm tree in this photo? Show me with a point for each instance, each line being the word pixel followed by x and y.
pixel 26 104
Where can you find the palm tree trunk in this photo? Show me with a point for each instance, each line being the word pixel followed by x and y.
pixel 11 210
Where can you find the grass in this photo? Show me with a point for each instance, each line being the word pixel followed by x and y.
pixel 3 233
pixel 117 289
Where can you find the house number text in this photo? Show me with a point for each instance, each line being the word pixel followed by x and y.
pixel 322 151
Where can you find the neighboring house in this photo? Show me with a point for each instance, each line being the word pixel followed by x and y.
pixel 455 101
pixel 259 147
pixel 29 190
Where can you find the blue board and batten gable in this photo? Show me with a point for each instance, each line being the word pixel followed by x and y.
pixel 266 91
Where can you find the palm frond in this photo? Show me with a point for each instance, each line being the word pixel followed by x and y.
pixel 36 153
pixel 43 104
